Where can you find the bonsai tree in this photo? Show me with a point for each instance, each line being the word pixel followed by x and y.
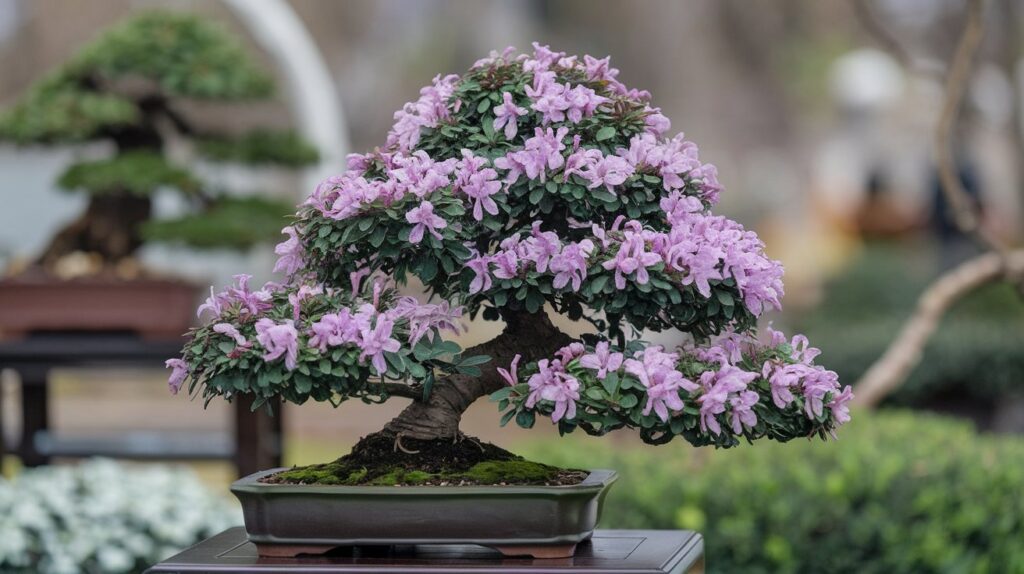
pixel 531 184
pixel 126 89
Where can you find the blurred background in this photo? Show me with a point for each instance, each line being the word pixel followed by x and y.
pixel 822 120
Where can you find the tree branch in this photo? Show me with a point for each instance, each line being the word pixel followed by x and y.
pixel 868 19
pixel 904 353
pixel 531 335
pixel 964 212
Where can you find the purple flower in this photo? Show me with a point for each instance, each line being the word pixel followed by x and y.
pixel 355 278
pixel 290 252
pixel 817 384
pixel 742 407
pixel 632 257
pixel 552 383
pixel 229 330
pixel 718 386
pixel 608 171
pixel 602 360
pixel 840 406
pixel 178 374
pixel 506 263
pixel 570 266
pixel 278 339
pixel 480 187
pixel 542 246
pixel 334 329
pixel 252 302
pixel 570 352
pixel 480 265
pixel 425 220
pixel 511 376
pixel 656 370
pixel 582 101
pixel 506 114
pixel 782 379
pixel 214 304
pixel 376 340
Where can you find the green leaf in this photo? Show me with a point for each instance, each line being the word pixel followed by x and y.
pixel 474 360
pixel 628 401
pixel 611 383
pixel 483 106
pixel 607 132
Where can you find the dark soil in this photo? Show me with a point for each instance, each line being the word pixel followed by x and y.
pixel 376 460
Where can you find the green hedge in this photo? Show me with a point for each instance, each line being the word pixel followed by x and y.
pixel 898 492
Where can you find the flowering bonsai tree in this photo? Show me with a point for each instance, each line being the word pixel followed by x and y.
pixel 129 89
pixel 530 183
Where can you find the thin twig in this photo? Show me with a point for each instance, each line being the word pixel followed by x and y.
pixel 964 212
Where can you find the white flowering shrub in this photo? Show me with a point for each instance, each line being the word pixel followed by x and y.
pixel 104 517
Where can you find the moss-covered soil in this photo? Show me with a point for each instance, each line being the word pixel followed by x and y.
pixel 375 461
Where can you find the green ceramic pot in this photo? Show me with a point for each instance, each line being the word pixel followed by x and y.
pixel 541 521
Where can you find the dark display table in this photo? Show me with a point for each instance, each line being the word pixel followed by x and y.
pixel 257 439
pixel 608 552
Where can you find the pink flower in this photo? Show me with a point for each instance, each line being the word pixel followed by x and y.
pixel 632 257
pixel 582 102
pixel 552 383
pixel 214 304
pixel 178 374
pixel 506 114
pixel 570 266
pixel 718 386
pixel 602 360
pixel 480 187
pixel 290 252
pixel 609 171
pixel 252 302
pixel 656 370
pixel 229 330
pixel 334 329
pixel 377 340
pixel 481 267
pixel 743 411
pixel 840 406
pixel 425 220
pixel 278 339
pixel 511 376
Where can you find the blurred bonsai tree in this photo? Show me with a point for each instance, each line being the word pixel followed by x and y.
pixel 126 88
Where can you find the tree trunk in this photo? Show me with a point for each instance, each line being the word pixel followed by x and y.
pixel 109 227
pixel 532 336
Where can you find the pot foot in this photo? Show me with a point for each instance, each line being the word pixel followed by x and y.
pixel 291 550
pixel 539 551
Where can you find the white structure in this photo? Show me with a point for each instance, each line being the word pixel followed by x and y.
pixel 311 91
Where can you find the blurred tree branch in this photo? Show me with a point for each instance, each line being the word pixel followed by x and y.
pixel 869 20
pixel 999 263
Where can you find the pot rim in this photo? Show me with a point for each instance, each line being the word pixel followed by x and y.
pixel 597 480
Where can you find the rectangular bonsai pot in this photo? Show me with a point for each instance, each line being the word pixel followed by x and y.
pixel 542 521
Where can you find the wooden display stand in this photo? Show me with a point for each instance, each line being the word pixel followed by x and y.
pixel 608 552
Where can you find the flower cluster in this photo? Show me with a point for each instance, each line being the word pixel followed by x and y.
pixel 713 394
pixel 541 251
pixel 425 112
pixel 289 328
pixel 101 516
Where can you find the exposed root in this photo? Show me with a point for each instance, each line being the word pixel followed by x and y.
pixel 398 446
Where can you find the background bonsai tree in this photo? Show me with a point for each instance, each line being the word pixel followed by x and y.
pixel 126 88
pixel 531 182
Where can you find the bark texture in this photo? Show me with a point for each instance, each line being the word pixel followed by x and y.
pixel 532 336
pixel 110 227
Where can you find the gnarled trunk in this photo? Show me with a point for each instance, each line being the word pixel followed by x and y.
pixel 532 336
pixel 109 227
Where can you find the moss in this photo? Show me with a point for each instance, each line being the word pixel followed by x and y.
pixel 488 472
pixel 515 471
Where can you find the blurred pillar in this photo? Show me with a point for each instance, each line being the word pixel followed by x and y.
pixel 313 97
